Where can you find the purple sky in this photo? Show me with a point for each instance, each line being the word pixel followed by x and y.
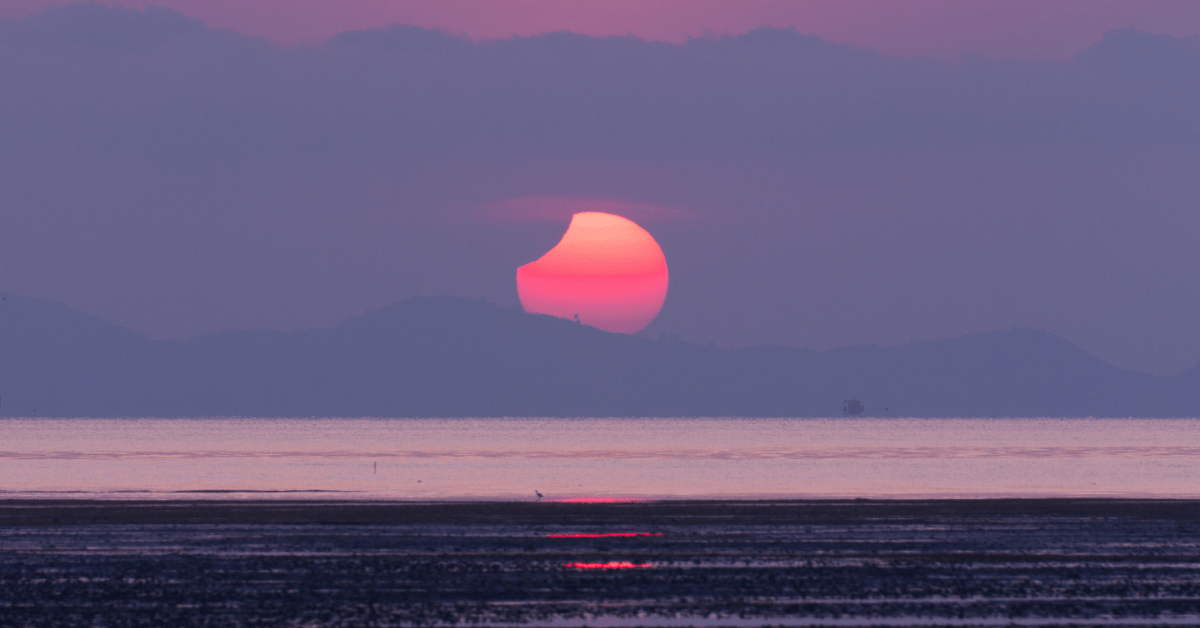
pixel 179 180
pixel 1026 29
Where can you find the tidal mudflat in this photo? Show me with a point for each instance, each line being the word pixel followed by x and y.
pixel 672 563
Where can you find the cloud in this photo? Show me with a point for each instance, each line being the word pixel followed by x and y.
pixel 1024 29
pixel 178 179
pixel 559 209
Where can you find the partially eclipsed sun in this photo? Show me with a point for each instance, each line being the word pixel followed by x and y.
pixel 606 270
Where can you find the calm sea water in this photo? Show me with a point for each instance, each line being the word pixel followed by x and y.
pixel 597 459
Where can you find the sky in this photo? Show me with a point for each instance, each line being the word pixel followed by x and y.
pixel 1024 29
pixel 864 177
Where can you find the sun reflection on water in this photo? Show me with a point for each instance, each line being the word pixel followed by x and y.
pixel 599 500
pixel 609 565
pixel 601 535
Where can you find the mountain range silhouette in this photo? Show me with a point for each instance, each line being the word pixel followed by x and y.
pixel 453 357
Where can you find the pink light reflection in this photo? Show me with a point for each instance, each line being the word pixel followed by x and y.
pixel 601 535
pixel 611 565
pixel 600 500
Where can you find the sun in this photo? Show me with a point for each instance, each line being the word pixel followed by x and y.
pixel 606 271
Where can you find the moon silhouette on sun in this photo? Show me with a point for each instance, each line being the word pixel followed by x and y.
pixel 606 270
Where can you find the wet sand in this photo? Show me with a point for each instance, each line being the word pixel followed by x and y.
pixel 894 563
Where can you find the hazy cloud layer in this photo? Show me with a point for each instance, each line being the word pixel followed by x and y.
pixel 1045 30
pixel 178 179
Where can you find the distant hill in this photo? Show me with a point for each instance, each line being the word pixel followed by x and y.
pixel 456 357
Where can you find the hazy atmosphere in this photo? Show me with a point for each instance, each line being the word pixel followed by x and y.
pixel 178 180
pixel 623 313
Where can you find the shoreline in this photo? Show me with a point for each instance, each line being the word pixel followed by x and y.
pixel 185 563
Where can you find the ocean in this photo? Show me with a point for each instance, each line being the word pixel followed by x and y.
pixel 597 460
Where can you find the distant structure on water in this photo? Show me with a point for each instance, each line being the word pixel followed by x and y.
pixel 852 407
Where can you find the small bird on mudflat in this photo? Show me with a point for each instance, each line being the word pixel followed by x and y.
pixel 538 493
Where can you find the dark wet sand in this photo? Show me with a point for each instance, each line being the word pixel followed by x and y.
pixel 41 512
pixel 896 563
